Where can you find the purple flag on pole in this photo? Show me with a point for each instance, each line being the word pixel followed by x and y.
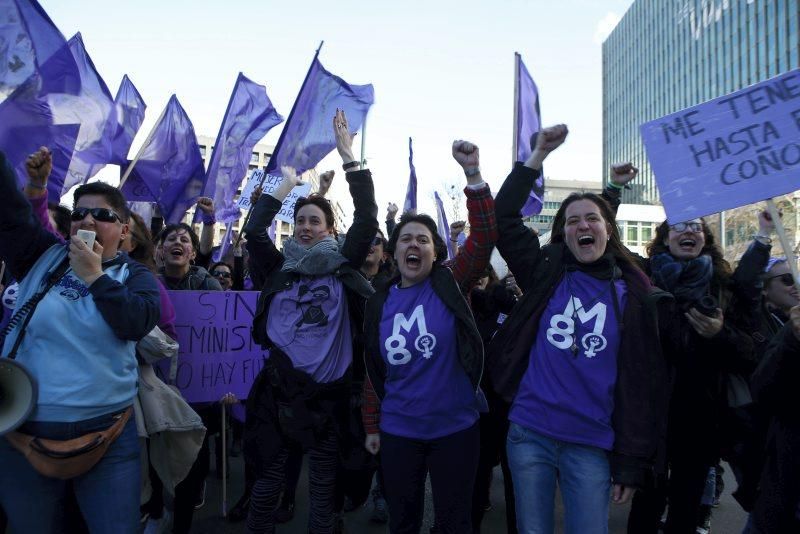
pixel 411 190
pixel 250 115
pixel 170 171
pixel 528 122
pixel 307 136
pixel 130 108
pixel 93 108
pixel 443 227
pixel 29 38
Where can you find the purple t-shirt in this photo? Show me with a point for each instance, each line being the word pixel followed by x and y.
pixel 428 392
pixel 310 323
pixel 567 392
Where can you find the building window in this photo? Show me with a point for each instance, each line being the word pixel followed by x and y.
pixel 632 234
pixel 203 151
pixel 254 157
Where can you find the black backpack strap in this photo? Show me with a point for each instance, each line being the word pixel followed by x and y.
pixel 25 312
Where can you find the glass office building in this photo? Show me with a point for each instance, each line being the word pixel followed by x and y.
pixel 667 55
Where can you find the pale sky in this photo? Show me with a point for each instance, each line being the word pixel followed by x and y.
pixel 442 70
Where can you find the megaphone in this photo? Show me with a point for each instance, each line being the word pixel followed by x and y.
pixel 17 395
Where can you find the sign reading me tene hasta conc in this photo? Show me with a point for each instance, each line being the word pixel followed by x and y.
pixel 728 152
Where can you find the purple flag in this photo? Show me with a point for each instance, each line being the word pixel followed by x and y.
pixel 528 122
pixel 307 136
pixel 130 108
pixel 170 171
pixel 443 227
pixel 93 108
pixel 411 190
pixel 250 115
pixel 29 38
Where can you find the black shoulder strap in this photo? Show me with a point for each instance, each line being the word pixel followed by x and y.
pixel 25 312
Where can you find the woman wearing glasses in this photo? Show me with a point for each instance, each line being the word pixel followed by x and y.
pixel 708 346
pixel 85 366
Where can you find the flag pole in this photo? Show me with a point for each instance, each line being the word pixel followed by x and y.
pixel 364 140
pixel 784 239
pixel 516 110
pixel 269 166
pixel 144 145
pixel 224 466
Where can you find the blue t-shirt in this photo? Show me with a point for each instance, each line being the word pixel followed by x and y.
pixel 310 323
pixel 428 393
pixel 567 392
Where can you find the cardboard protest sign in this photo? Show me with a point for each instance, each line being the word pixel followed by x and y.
pixel 728 152
pixel 217 353
pixel 269 183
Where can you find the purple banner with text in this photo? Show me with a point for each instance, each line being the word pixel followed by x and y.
pixel 217 353
pixel 728 152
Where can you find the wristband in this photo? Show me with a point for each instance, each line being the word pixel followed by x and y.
pixel 766 238
pixel 472 171
pixel 208 218
pixel 618 187
pixel 36 186
pixel 350 165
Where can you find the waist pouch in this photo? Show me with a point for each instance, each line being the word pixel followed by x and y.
pixel 65 459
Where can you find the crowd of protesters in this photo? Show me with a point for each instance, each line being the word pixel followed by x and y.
pixel 614 377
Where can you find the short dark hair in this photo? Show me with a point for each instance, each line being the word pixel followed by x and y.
pixel 177 227
pixel 439 246
pixel 112 195
pixel 322 203
pixel 61 215
pixel 218 264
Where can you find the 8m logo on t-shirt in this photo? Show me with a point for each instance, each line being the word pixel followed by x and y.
pixel 561 333
pixel 396 352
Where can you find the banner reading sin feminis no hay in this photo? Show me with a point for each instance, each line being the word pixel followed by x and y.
pixel 217 353
pixel 728 152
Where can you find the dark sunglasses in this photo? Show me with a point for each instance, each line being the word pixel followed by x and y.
pixel 682 226
pixel 786 279
pixel 98 214
pixel 377 241
pixel 223 274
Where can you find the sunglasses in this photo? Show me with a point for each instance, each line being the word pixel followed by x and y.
pixel 682 226
pixel 223 274
pixel 786 279
pixel 377 241
pixel 98 214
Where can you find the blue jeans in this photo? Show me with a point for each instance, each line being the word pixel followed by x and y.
pixel 108 495
pixel 583 475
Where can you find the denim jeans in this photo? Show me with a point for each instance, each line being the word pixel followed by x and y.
pixel 582 472
pixel 108 494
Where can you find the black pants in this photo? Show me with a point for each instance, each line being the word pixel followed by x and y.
pixel 451 461
pixel 494 429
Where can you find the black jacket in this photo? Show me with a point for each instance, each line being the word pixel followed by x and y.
pixel 641 390
pixel 775 387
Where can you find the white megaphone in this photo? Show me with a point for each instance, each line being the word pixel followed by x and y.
pixel 17 395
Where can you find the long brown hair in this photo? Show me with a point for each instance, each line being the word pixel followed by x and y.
pixel 614 244
pixel 141 241
pixel 722 269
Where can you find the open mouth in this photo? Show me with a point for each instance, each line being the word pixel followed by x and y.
pixel 176 252
pixel 687 243
pixel 413 261
pixel 586 240
pixel 305 238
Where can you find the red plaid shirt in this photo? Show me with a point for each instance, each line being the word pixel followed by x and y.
pixel 467 267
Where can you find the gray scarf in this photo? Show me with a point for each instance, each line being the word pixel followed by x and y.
pixel 322 258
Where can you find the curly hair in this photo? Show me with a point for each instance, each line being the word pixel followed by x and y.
pixel 722 269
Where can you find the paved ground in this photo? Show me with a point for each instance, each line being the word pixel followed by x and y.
pixel 728 517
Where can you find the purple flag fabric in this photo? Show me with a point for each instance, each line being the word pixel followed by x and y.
pixel 170 171
pixel 93 108
pixel 250 115
pixel 130 109
pixel 528 123
pixel 411 190
pixel 443 227
pixel 307 136
pixel 29 38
